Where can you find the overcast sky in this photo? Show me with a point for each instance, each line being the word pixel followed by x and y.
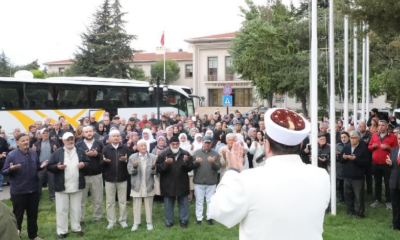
pixel 48 30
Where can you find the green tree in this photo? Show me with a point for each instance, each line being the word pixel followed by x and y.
pixel 105 50
pixel 172 70
pixel 137 73
pixel 5 66
pixel 38 74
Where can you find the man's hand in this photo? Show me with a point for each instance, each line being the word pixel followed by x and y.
pixel 153 165
pixel 223 151
pixel 3 155
pixel 61 167
pixel 123 158
pixel 322 159
pixel 352 157
pixel 81 165
pixel 169 160
pixel 136 163
pixel 236 156
pixel 345 156
pixel 106 160
pixel 374 146
pixel 306 150
pixel 44 164
pixel 384 146
pixel 388 161
pixel 199 159
pixel 54 147
pixel 33 147
pixel 14 167
pixel 211 159
pixel 185 158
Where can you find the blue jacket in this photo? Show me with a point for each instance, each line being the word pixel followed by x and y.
pixel 24 180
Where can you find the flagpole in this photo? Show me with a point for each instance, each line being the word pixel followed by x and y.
pixel 314 84
pixel 164 57
pixel 355 72
pixel 332 105
pixel 363 78
pixel 346 71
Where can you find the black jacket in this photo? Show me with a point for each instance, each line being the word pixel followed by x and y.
pixel 58 157
pixel 57 136
pixel 95 166
pixel 305 157
pixel 53 146
pixel 324 151
pixel 394 181
pixel 174 178
pixel 355 169
pixel 3 148
pixel 116 170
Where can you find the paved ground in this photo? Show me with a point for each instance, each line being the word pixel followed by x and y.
pixel 5 194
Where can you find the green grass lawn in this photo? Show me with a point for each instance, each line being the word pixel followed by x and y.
pixel 374 226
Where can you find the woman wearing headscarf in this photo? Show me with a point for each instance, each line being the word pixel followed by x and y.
pixel 148 137
pixel 138 129
pixel 257 148
pixel 251 136
pixel 210 133
pixel 212 125
pixel 185 145
pixel 161 146
pixel 191 134
pixel 217 139
pixel 197 143
pixel 126 132
pixel 170 132
pixel 189 125
pixel 199 125
pixel 142 168
pixel 176 131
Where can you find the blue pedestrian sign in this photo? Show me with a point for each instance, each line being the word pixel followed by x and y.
pixel 227 101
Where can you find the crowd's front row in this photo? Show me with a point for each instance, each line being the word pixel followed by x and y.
pixel 79 167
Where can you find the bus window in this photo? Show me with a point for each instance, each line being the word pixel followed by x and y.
pixel 38 96
pixel 138 97
pixel 104 97
pixel 11 95
pixel 72 96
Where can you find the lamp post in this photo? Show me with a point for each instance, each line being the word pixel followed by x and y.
pixel 151 91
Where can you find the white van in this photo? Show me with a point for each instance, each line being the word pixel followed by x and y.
pixel 396 114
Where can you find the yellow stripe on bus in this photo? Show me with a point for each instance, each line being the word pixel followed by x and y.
pixel 24 119
pixel 43 115
pixel 98 114
pixel 73 120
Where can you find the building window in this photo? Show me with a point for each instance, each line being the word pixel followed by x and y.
pixel 279 98
pixel 189 70
pixel 229 72
pixel 212 69
pixel 61 71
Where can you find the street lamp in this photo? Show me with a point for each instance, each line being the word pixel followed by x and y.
pixel 151 91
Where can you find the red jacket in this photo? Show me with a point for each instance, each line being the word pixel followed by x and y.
pixel 143 124
pixel 379 155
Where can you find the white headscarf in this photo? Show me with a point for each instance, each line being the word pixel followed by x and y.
pixel 239 137
pixel 150 140
pixel 196 144
pixel 184 145
pixel 209 131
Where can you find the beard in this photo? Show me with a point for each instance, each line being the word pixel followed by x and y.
pixel 175 150
pixel 89 138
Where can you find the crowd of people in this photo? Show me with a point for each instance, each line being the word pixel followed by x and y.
pixel 179 159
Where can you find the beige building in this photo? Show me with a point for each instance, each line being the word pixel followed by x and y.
pixel 206 68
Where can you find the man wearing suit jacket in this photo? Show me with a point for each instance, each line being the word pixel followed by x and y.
pixel 394 184
pixel 354 158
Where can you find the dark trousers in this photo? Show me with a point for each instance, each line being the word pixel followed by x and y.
pixel 354 196
pixel 381 171
pixel 30 203
pixel 169 205
pixel 395 194
pixel 340 189
pixel 43 176
pixel 368 177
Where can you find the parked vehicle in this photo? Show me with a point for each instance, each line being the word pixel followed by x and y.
pixel 260 110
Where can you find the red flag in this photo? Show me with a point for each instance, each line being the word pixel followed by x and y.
pixel 162 39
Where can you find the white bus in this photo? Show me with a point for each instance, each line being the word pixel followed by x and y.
pixel 26 100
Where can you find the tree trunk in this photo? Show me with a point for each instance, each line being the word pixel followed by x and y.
pixel 303 99
pixel 270 99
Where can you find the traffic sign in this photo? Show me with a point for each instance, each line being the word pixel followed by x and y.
pixel 227 101
pixel 227 90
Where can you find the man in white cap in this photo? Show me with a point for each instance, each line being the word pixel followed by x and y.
pixel 294 195
pixel 68 164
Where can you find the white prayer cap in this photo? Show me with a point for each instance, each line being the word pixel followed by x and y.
pixel 67 135
pixel 114 132
pixel 229 135
pixel 140 142
pixel 285 126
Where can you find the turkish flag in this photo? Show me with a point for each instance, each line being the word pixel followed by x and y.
pixel 162 39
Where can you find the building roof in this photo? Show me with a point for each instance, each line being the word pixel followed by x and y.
pixel 141 57
pixel 213 38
